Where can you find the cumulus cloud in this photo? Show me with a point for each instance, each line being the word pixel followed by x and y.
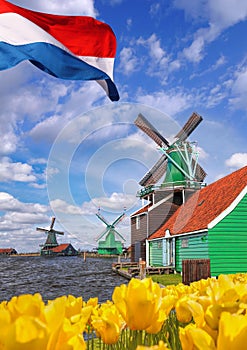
pixel 239 89
pixel 116 202
pixel 59 205
pixel 217 15
pixel 11 204
pixel 170 103
pixel 21 172
pixel 128 61
pixel 17 222
pixel 237 160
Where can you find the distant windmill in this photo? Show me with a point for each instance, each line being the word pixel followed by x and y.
pixel 109 245
pixel 51 240
pixel 179 160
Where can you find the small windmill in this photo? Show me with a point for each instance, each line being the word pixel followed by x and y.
pixel 110 245
pixel 51 240
pixel 179 160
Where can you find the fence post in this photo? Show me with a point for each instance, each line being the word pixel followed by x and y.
pixel 142 266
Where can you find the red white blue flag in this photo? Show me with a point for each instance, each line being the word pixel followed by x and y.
pixel 67 47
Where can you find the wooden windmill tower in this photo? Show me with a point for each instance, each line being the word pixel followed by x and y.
pixel 107 240
pixel 182 177
pixel 51 240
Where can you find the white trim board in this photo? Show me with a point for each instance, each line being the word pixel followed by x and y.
pixel 229 209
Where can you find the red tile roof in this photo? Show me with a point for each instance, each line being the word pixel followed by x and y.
pixel 141 210
pixel 7 250
pixel 60 248
pixel 205 205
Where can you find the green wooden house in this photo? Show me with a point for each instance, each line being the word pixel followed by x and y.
pixel 211 224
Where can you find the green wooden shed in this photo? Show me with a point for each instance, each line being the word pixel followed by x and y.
pixel 211 224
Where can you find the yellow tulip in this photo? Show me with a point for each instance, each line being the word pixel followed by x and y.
pixel 232 332
pixel 5 322
pixel 92 301
pixel 52 310
pixel 65 337
pixel 26 333
pixel 192 338
pixel 160 346
pixel 187 308
pixel 108 324
pixel 139 303
pixel 73 306
pixel 26 304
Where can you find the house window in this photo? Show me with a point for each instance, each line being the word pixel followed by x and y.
pixel 138 222
pixel 185 243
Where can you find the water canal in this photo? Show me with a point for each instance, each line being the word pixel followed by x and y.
pixel 53 277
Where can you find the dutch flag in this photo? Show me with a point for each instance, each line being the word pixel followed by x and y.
pixel 67 47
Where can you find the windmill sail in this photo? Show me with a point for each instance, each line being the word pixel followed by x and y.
pixel 107 242
pixel 173 162
pixel 150 130
pixel 154 174
pixel 189 127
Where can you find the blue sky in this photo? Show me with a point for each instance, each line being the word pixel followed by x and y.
pixel 66 149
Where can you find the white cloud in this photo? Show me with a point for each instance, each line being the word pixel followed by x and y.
pixel 11 204
pixel 129 23
pixel 158 63
pixel 10 171
pixel 170 103
pixel 73 7
pixel 115 202
pixel 59 205
pixel 38 161
pixel 8 143
pixel 218 15
pixel 227 12
pixel 78 100
pixel 202 153
pixel 154 9
pixel 128 61
pixel 239 89
pixel 194 51
pixel 237 160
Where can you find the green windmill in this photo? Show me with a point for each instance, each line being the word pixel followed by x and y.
pixel 51 240
pixel 179 161
pixel 107 240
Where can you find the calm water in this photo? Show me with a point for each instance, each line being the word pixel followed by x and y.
pixel 53 277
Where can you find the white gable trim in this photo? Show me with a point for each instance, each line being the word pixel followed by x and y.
pixel 229 209
pixel 190 233
pixel 168 235
pixel 141 213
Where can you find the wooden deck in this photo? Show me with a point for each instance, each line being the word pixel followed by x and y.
pixel 130 270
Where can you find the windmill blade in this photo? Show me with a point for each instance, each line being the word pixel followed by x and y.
pixel 200 173
pixel 142 123
pixel 42 229
pixel 102 234
pixel 194 120
pixel 102 219
pixel 154 174
pixel 119 235
pixel 52 222
pixel 120 218
pixel 57 232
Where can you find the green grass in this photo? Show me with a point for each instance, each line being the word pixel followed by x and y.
pixel 166 280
